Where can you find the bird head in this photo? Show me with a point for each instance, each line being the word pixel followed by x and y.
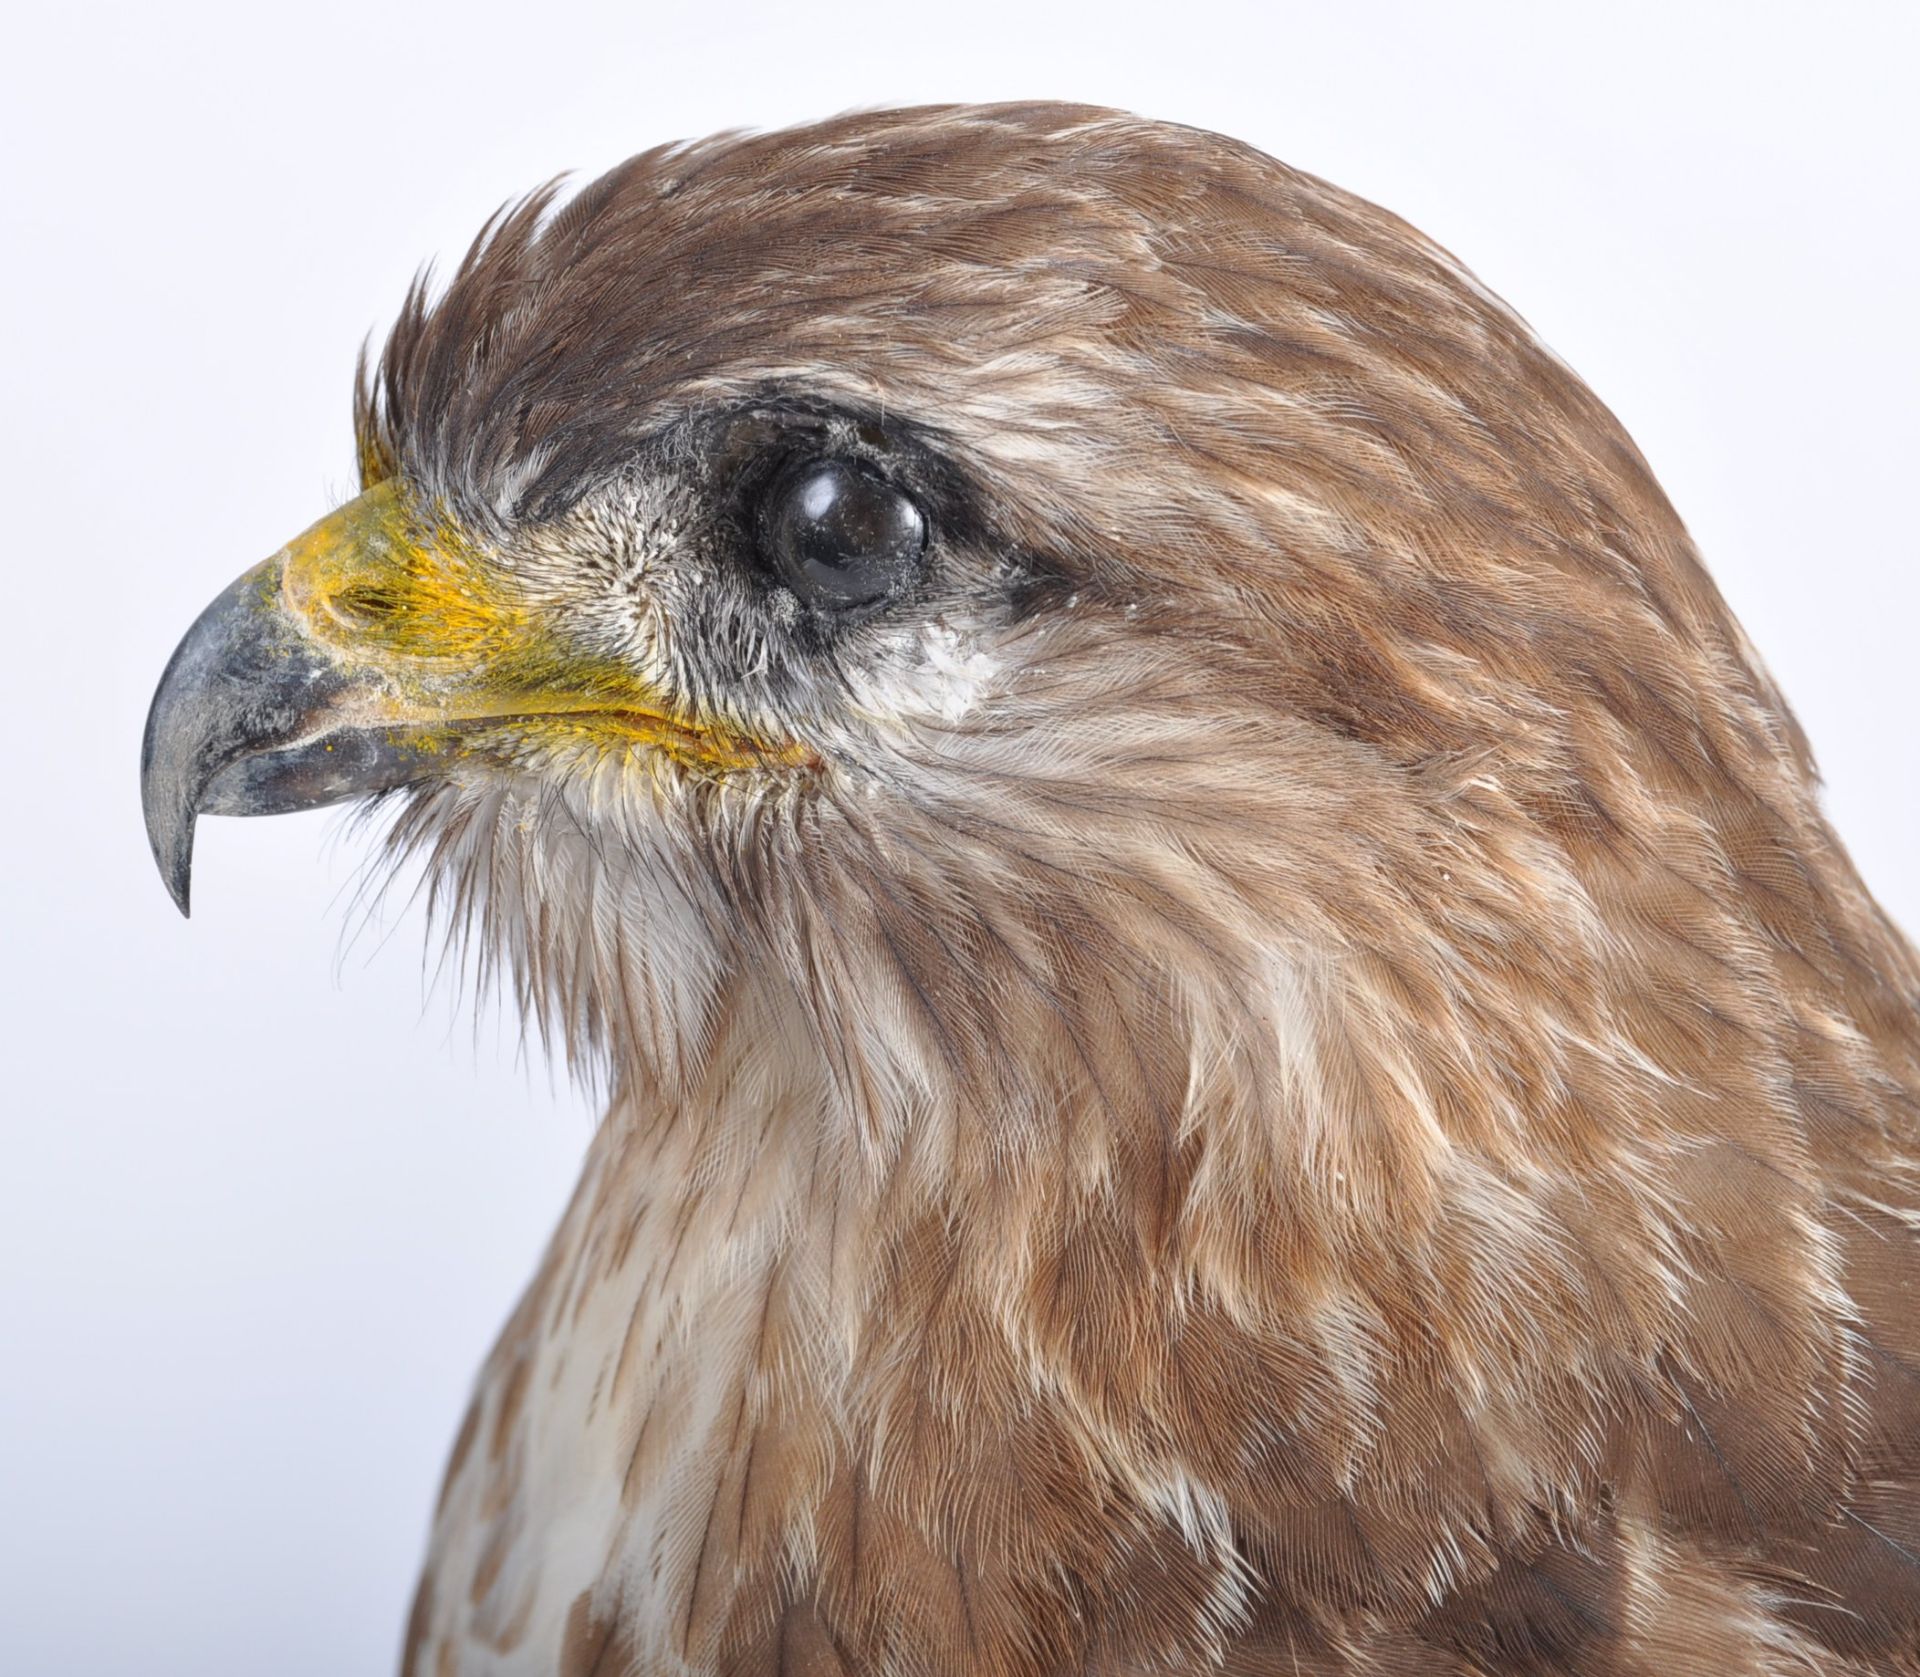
pixel 1220 962
pixel 1029 610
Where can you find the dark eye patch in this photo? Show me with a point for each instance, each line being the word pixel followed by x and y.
pixel 846 511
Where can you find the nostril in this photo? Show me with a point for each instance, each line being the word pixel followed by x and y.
pixel 365 604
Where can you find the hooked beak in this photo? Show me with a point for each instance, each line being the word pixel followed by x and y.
pixel 377 650
pixel 251 718
pixel 334 670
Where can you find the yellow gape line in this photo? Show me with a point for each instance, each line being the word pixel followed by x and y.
pixel 452 651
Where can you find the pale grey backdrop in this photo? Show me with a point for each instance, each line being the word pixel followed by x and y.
pixel 261 1207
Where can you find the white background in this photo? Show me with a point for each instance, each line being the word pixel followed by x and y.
pixel 262 1205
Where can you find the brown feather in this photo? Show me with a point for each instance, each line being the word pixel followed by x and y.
pixel 1351 1116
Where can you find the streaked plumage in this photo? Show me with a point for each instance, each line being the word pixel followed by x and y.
pixel 1268 1068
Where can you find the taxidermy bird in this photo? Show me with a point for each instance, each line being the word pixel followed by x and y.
pixel 1236 1043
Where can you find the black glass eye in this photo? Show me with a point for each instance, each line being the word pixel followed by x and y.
pixel 839 535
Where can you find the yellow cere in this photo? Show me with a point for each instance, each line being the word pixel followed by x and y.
pixel 411 602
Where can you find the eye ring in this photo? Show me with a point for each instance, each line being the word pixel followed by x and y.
pixel 839 535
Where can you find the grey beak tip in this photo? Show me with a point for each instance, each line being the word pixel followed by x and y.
pixel 170 824
pixel 177 872
pixel 167 798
